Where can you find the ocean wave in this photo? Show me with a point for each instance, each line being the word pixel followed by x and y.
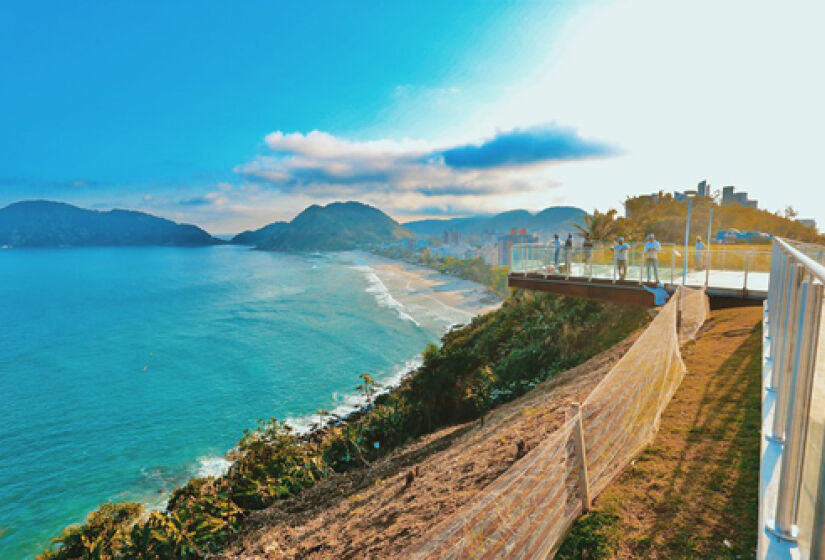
pixel 382 294
pixel 213 466
pixel 348 403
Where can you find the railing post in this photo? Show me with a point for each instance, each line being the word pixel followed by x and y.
pixel 581 458
pixel 783 298
pixel 788 351
pixel 745 281
pixel 672 264
pixel 796 419
pixel 818 540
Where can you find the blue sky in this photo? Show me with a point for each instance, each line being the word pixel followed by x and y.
pixel 231 115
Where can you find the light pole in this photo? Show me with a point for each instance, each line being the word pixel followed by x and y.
pixel 707 253
pixel 687 243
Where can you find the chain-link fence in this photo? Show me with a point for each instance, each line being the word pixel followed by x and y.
pixel 526 511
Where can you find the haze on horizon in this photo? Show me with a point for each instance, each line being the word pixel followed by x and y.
pixel 231 116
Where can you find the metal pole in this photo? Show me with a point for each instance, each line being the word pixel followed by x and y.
pixel 707 256
pixel 672 262
pixel 745 281
pixel 783 298
pixel 788 354
pixel 687 243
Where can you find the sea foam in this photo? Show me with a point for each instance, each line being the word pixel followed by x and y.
pixel 382 294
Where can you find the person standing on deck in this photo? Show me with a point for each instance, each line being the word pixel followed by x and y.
pixel 568 252
pixel 652 249
pixel 556 244
pixel 700 253
pixel 620 254
pixel 587 245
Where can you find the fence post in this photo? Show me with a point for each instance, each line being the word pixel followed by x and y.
pixel 581 457
pixel 679 310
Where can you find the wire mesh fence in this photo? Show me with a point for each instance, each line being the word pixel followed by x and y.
pixel 526 511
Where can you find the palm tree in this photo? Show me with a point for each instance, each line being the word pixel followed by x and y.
pixel 601 226
pixel 368 387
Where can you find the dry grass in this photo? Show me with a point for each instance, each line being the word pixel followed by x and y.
pixel 693 493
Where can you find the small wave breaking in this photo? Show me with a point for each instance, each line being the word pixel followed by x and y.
pixel 350 402
pixel 382 294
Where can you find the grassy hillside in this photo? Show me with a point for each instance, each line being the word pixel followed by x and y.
pixel 693 492
pixel 496 358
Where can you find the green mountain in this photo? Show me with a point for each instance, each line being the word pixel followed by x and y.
pixel 43 223
pixel 258 236
pixel 555 219
pixel 338 226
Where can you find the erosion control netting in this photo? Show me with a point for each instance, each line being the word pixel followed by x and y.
pixel 525 512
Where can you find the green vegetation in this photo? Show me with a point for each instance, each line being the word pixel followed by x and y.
pixel 496 358
pixel 665 218
pixel 593 537
pixel 693 492
pixel 474 269
pixel 339 226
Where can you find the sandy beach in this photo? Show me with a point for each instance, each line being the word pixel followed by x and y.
pixel 433 300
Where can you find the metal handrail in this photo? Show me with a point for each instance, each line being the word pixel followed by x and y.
pixel 795 368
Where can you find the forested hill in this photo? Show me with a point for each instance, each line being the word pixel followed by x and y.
pixel 43 223
pixel 557 219
pixel 335 227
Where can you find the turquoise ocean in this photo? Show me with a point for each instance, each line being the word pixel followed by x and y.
pixel 126 371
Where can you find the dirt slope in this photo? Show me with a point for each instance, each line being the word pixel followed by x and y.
pixel 372 513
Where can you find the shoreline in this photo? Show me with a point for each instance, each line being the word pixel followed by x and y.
pixel 412 290
pixel 434 301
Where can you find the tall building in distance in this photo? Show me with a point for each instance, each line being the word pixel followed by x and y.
pixel 452 237
pixel 703 188
pixel 732 198
pixel 506 242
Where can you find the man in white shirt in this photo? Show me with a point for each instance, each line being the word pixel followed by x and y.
pixel 620 254
pixel 652 249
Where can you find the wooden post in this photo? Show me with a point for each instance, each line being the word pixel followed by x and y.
pixel 581 456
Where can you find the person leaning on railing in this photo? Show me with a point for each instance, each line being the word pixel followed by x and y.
pixel 568 252
pixel 620 256
pixel 652 248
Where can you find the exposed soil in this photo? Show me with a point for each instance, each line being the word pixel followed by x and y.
pixel 379 511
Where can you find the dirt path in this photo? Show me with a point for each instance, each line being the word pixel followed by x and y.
pixel 693 493
pixel 370 514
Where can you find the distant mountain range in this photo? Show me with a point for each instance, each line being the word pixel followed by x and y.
pixel 334 227
pixel 42 223
pixel 554 219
